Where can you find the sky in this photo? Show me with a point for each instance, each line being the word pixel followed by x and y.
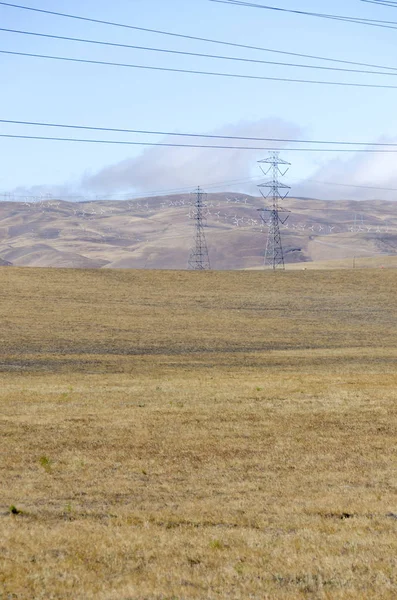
pixel 43 90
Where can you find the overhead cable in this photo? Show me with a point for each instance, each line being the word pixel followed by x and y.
pixel 197 72
pixel 357 20
pixel 350 185
pixel 219 184
pixel 198 135
pixel 197 54
pixel 387 4
pixel 174 145
pixel 374 22
pixel 195 38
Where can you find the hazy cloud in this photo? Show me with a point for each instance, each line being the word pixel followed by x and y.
pixel 45 192
pixel 163 168
pixel 158 169
pixel 361 169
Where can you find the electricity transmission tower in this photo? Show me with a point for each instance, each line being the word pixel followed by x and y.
pixel 199 259
pixel 274 256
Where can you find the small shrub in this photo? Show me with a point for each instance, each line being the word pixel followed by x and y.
pixel 45 463
pixel 14 510
pixel 68 511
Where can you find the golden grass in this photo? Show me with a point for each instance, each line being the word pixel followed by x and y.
pixel 358 262
pixel 198 435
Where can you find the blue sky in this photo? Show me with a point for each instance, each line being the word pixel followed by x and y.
pixel 41 90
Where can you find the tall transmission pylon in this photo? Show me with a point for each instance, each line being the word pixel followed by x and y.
pixel 199 258
pixel 274 255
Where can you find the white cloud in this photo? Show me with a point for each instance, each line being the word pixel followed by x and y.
pixel 158 169
pixel 371 171
pixel 163 168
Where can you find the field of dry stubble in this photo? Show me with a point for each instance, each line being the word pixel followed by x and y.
pixel 176 435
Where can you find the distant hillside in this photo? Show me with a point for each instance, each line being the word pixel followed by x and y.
pixel 158 233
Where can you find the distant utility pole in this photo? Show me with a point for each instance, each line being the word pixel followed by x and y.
pixel 199 259
pixel 274 256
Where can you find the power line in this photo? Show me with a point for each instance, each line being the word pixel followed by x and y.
pixel 350 185
pixel 219 184
pixel 375 22
pixel 188 188
pixel 252 179
pixel 356 20
pixel 387 4
pixel 197 54
pixel 198 135
pixel 196 72
pixel 129 196
pixel 196 38
pixel 173 145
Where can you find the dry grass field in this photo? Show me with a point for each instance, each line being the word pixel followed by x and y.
pixel 357 262
pixel 180 435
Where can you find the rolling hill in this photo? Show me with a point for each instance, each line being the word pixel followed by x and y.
pixel 158 233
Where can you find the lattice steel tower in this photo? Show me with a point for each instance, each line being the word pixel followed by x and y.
pixel 199 258
pixel 274 256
